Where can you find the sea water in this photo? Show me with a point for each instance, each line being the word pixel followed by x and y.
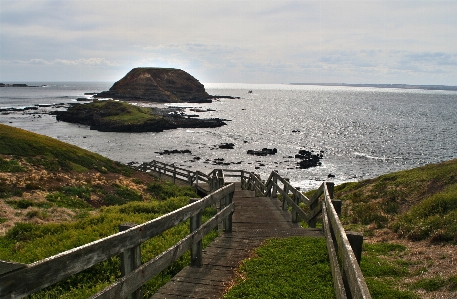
pixel 363 132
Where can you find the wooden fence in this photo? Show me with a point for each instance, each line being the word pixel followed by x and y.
pixel 342 246
pixel 348 280
pixel 19 280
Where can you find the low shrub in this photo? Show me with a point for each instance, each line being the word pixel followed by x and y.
pixel 10 166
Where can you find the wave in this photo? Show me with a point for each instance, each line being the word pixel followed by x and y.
pixel 366 156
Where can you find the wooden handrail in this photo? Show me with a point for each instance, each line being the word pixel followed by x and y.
pixel 356 285
pixel 348 283
pixel 38 275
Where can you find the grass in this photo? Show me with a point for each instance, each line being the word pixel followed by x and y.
pixel 418 204
pixel 298 267
pixel 52 154
pixel 295 267
pixel 67 197
pixel 28 242
pixel 115 111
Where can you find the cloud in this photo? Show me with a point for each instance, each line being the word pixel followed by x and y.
pixel 234 41
pixel 81 61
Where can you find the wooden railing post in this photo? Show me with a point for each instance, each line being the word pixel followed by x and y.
pixel 174 174
pixel 228 220
pixel 274 194
pixel 294 211
pixel 284 200
pixel 330 188
pixel 356 241
pixel 130 260
pixel 196 249
pixel 189 177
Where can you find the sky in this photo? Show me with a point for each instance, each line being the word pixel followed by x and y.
pixel 222 41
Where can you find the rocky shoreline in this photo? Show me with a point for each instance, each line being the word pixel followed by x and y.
pixel 115 116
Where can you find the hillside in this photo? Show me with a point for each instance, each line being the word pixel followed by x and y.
pixel 414 213
pixel 157 85
pixel 43 180
pixel 55 196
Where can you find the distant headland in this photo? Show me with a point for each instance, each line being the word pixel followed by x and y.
pixel 17 85
pixel 402 86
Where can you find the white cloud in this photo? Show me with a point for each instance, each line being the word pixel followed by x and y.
pixel 81 61
pixel 234 41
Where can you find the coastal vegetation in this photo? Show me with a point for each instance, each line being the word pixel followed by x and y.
pixel 55 196
pixel 409 221
pixel 118 116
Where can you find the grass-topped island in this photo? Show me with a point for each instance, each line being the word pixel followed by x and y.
pixel 117 116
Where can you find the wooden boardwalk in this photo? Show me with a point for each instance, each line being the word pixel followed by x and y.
pixel 254 220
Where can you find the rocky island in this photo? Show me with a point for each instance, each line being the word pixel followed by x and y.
pixel 146 84
pixel 164 85
pixel 117 116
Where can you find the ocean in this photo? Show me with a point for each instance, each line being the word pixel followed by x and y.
pixel 363 132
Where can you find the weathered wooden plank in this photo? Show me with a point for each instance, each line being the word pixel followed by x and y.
pixel 141 275
pixel 356 281
pixel 338 285
pixel 6 267
pixel 196 291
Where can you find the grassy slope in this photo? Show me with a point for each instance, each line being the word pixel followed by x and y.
pixel 409 222
pixel 55 196
pixel 120 112
pixel 51 153
pixel 419 204
pixel 413 212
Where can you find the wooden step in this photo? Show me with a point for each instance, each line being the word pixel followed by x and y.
pixel 255 219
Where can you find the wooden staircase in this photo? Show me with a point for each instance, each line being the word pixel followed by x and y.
pixel 254 220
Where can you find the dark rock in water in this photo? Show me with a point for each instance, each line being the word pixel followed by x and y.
pixel 158 85
pixel 227 146
pixel 330 175
pixel 309 159
pixel 263 152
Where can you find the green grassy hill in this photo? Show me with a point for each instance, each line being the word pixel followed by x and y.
pixel 409 220
pixel 55 196
pixel 417 204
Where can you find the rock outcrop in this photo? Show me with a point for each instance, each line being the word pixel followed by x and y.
pixel 117 116
pixel 166 85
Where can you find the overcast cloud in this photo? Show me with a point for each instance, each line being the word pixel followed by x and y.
pixel 412 42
